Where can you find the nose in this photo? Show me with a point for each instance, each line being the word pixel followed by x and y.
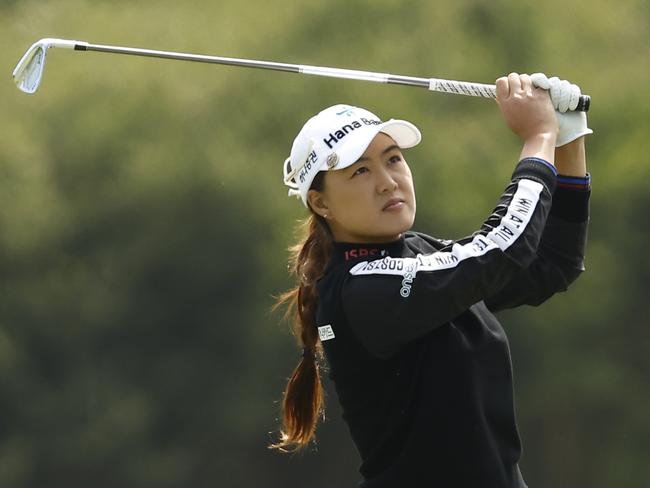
pixel 386 182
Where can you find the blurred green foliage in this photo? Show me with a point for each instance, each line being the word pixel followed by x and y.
pixel 143 228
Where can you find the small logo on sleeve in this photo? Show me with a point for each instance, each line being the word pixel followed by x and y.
pixel 325 333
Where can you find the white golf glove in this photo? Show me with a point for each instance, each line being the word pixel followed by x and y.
pixel 564 96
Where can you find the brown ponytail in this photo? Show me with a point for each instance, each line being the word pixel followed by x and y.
pixel 303 399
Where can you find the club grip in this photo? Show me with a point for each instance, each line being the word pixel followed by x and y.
pixel 583 104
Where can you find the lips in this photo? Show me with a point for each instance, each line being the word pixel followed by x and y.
pixel 393 203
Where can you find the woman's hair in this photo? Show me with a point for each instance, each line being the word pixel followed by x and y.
pixel 303 399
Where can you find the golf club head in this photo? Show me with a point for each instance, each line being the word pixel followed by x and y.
pixel 29 71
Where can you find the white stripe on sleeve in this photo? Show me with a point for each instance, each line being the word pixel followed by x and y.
pixel 502 236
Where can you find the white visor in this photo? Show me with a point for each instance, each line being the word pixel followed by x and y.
pixel 336 138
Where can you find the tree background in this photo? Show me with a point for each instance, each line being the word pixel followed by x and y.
pixel 144 227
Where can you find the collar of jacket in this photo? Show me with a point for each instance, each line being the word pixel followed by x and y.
pixel 351 251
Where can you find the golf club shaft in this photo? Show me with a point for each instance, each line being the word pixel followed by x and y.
pixel 250 63
pixel 434 84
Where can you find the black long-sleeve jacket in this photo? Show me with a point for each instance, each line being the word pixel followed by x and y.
pixel 420 364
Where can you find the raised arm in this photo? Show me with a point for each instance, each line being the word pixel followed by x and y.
pixel 560 256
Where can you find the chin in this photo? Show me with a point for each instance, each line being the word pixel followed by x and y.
pixel 398 228
pixel 405 221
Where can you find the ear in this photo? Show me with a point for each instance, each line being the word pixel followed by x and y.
pixel 317 202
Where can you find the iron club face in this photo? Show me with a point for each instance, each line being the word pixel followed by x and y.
pixel 29 71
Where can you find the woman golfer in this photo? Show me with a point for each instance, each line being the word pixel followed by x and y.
pixel 420 364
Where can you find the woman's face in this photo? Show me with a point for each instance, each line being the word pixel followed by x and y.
pixel 372 200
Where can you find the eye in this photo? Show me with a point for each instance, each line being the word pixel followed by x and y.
pixel 395 159
pixel 359 171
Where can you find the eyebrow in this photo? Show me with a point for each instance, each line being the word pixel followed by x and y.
pixel 387 150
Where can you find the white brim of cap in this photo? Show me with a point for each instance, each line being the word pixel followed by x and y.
pixel 404 133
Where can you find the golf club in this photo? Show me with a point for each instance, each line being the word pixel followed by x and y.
pixel 29 70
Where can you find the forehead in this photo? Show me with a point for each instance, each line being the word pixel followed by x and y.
pixel 380 142
pixel 381 145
